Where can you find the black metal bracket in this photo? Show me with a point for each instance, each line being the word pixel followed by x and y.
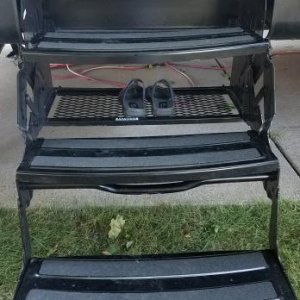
pixel 246 72
pixel 243 83
pixel 269 94
pixel 272 188
pixel 24 199
pixel 33 109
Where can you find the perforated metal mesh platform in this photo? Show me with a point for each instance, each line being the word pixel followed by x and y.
pixel 104 105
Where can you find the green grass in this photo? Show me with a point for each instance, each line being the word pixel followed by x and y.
pixel 162 229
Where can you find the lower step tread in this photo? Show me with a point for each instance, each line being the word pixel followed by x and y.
pixel 211 276
pixel 257 291
pixel 149 268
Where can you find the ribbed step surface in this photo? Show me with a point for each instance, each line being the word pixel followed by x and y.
pixel 184 39
pixel 145 160
pixel 147 45
pixel 245 292
pixel 227 276
pixel 144 40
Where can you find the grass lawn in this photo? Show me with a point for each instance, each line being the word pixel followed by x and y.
pixel 147 230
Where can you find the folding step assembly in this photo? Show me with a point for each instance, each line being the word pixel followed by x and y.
pixel 146 32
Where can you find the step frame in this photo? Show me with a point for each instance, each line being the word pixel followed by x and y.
pixel 248 71
pixel 260 172
pixel 251 61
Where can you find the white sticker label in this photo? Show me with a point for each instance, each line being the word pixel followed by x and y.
pixel 127 119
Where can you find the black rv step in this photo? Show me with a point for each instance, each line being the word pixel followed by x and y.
pixel 188 160
pixel 141 40
pixel 62 45
pixel 73 106
pixel 219 276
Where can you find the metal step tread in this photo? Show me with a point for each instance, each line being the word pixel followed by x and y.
pixel 145 159
pixel 139 41
pixel 142 45
pixel 142 34
pixel 211 276
pixel 80 106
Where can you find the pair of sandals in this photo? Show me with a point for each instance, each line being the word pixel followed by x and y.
pixel 161 95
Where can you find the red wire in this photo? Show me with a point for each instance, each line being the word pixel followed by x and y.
pixel 286 53
pixel 80 73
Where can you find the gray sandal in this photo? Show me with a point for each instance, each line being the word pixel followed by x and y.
pixel 132 98
pixel 162 97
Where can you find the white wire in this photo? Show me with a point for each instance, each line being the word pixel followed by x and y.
pixel 113 83
pixel 112 68
pixel 78 74
pixel 189 79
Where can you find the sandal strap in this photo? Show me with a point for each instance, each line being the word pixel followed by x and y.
pixel 135 81
pixel 163 82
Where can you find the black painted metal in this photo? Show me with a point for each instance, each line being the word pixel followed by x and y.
pixel 81 107
pixel 100 162
pixel 157 14
pixel 26 16
pixel 101 32
pixel 114 32
pixel 9 22
pixel 235 275
pixel 139 45
pixel 145 57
